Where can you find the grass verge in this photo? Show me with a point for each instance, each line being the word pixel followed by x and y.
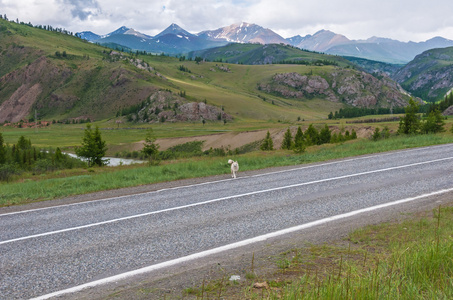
pixel 108 178
pixel 410 259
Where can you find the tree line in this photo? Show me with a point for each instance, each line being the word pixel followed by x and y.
pixel 310 137
pixel 44 27
pixel 355 112
pixel 23 157
pixel 319 62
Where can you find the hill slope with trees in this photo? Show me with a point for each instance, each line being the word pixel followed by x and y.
pixel 429 75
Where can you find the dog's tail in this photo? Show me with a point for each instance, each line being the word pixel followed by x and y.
pixel 230 161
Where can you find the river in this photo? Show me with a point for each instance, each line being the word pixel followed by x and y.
pixel 114 161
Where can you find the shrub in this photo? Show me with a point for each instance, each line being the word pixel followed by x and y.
pixel 8 170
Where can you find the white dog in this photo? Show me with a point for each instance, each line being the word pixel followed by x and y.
pixel 234 167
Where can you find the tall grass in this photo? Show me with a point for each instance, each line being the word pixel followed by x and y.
pixel 419 266
pixel 110 178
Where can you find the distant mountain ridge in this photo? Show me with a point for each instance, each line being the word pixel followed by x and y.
pixel 374 48
pixel 172 40
pixel 176 40
pixel 320 41
pixel 244 33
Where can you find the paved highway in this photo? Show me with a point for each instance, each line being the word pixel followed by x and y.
pixel 63 248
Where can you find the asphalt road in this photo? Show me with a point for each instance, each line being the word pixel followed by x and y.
pixel 57 248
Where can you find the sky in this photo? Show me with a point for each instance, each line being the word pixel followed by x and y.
pixel 404 20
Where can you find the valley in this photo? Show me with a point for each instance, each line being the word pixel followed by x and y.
pixel 203 99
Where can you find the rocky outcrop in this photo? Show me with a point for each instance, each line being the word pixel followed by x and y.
pixel 354 88
pixel 164 106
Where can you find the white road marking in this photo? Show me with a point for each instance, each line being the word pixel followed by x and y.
pixel 213 182
pixel 231 246
pixel 219 199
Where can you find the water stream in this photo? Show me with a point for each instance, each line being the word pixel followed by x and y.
pixel 114 161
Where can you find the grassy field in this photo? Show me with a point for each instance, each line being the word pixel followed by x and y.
pixel 34 188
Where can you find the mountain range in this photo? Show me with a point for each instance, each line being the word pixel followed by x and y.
pixel 174 40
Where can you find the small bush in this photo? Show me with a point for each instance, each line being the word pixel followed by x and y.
pixel 8 170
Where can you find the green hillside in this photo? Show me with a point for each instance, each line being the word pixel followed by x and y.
pixel 430 75
pixel 61 77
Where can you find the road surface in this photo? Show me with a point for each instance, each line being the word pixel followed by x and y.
pixel 63 249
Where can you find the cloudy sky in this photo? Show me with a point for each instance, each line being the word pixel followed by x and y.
pixel 404 20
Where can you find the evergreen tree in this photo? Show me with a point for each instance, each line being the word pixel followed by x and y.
pixel 2 150
pixel 376 135
pixel 267 144
pixel 59 155
pixel 324 135
pixel 410 123
pixel 93 148
pixel 434 123
pixel 334 138
pixel 299 143
pixel 150 148
pixel 23 144
pixel 287 140
pixel 311 135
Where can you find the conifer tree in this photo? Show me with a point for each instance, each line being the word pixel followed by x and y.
pixel 287 140
pixel 93 148
pixel 311 135
pixel 150 148
pixel 376 135
pixel 324 135
pixel 299 143
pixel 267 144
pixel 434 123
pixel 2 150
pixel 410 123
